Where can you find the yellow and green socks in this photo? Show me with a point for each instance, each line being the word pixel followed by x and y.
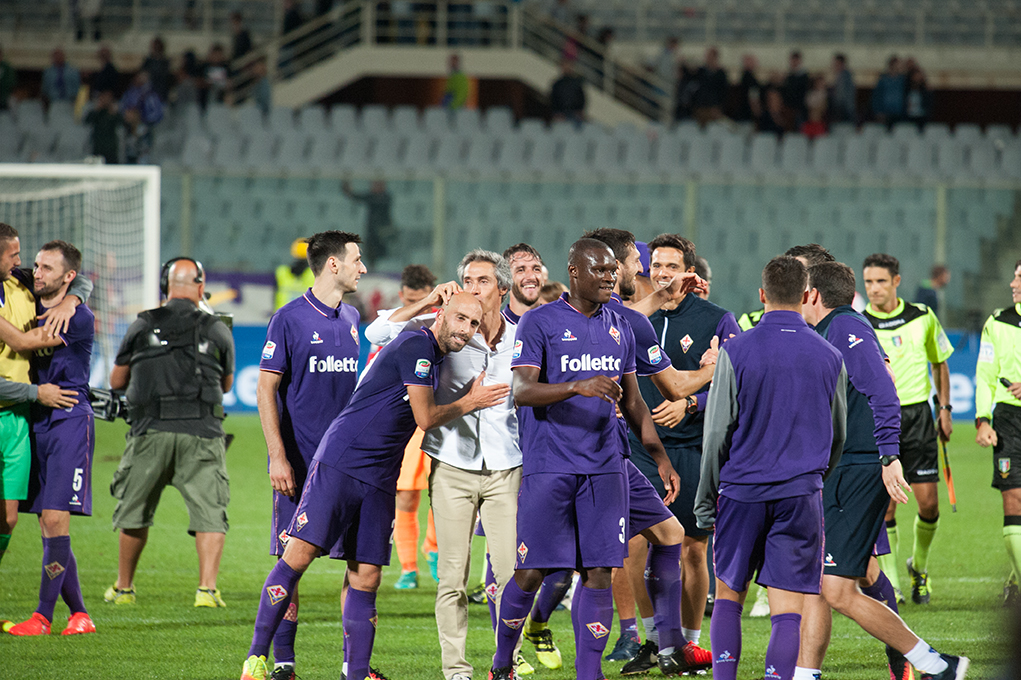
pixel 925 531
pixel 1011 541
pixel 888 563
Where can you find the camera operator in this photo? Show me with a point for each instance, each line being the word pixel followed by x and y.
pixel 175 362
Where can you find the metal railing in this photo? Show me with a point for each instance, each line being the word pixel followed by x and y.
pixel 492 23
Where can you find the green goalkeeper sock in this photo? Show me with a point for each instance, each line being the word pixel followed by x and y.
pixel 924 533
pixel 1012 541
pixel 888 563
pixel 5 540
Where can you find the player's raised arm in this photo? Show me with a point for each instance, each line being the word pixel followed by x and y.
pixel 26 341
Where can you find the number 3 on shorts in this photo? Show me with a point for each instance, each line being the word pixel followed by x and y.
pixel 621 536
pixel 77 483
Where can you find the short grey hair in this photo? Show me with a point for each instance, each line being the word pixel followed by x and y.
pixel 503 273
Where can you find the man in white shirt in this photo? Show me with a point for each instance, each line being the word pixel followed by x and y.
pixel 476 458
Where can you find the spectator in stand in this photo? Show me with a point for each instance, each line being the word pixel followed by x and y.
pixel 104 120
pixel 573 47
pixel 928 291
pixel 292 16
pixel 241 39
pixel 146 110
pixel 917 98
pixel 816 103
pixel 712 89
pixel 187 79
pixel 455 95
pixel 262 93
pixel 60 80
pixel 86 15
pixel 137 139
pixel 378 222
pixel 107 78
pixel 687 86
pixel 567 96
pixel 665 64
pixel 214 76
pixel 157 66
pixel 843 94
pixel 888 95
pixel 8 80
pixel 775 116
pixel 795 87
pixel 749 98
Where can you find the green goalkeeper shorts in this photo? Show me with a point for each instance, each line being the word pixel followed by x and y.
pixel 15 452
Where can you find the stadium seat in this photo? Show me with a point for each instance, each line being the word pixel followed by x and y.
pixel 532 128
pixel 72 143
pixel 418 151
pixel 29 114
pixel 281 119
pixel 794 154
pixel 197 150
pixel 606 154
pixel 405 119
pixel 228 151
pixel 919 158
pixel 636 155
pixel 386 155
pixel 449 153
pixel 250 119
pixel 889 158
pixel 732 154
pixel 699 158
pixel 436 121
pixel 481 153
pixel 374 119
pixel 762 153
pixel 354 152
pixel 950 157
pixel 467 122
pixel 261 152
pixel 314 118
pixel 513 152
pixel 323 153
pixel 292 150
pixel 219 120
pixel 61 115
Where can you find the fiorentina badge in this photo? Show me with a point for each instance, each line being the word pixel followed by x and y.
pixel 54 569
pixel 686 343
pixel 513 623
pixel 522 551
pixel 302 521
pixel 1003 465
pixel 276 593
pixel 615 334
pixel 597 629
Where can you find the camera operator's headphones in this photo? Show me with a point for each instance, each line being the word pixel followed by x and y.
pixel 165 273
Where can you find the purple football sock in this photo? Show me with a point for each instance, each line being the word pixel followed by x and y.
pixel 663 581
pixel 491 591
pixel 784 643
pixel 283 640
pixel 882 591
pixel 71 590
pixel 56 551
pixel 629 628
pixel 592 616
pixel 725 632
pixel 514 606
pixel 359 631
pixel 276 597
pixel 554 588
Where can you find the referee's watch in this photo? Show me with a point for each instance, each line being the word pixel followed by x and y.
pixel 887 460
pixel 947 407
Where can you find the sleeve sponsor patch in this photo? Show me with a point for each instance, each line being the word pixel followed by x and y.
pixel 268 349
pixel 655 356
pixel 986 352
pixel 943 342
pixel 517 349
pixel 422 367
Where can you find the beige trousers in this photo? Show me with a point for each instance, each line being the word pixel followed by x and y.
pixel 457 495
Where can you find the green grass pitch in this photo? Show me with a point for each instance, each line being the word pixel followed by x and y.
pixel 164 636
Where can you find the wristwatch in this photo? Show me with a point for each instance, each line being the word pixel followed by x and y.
pixel 947 407
pixel 886 460
pixel 692 404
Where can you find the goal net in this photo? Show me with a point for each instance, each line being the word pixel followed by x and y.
pixel 111 214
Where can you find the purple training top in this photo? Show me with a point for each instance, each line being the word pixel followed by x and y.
pixel 66 365
pixel 579 435
pixel 366 441
pixel 315 349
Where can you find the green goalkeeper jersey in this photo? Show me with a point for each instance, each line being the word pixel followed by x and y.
pixel 999 356
pixel 912 337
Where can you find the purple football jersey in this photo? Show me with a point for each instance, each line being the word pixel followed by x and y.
pixel 579 435
pixel 66 365
pixel 367 439
pixel 650 358
pixel 315 349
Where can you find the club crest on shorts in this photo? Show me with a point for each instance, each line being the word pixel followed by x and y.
pixel 655 356
pixel 269 349
pixel 491 591
pixel 302 521
pixel 513 623
pixel 597 629
pixel 422 367
pixel 615 334
pixel 522 551
pixel 53 570
pixel 1003 465
pixel 283 537
pixel 686 343
pixel 276 594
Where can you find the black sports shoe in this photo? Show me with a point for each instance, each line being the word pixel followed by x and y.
pixel 1011 595
pixel 957 666
pixel 624 650
pixel 373 675
pixel 645 660
pixel 478 596
pixel 899 667
pixel 710 601
pixel 283 673
pixel 502 673
pixel 919 584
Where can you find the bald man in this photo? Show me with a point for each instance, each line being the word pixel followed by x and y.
pixel 349 495
pixel 175 392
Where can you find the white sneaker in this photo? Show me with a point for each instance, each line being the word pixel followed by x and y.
pixel 460 676
pixel 761 607
pixel 569 597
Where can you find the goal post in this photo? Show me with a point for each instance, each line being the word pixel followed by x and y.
pixel 111 214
